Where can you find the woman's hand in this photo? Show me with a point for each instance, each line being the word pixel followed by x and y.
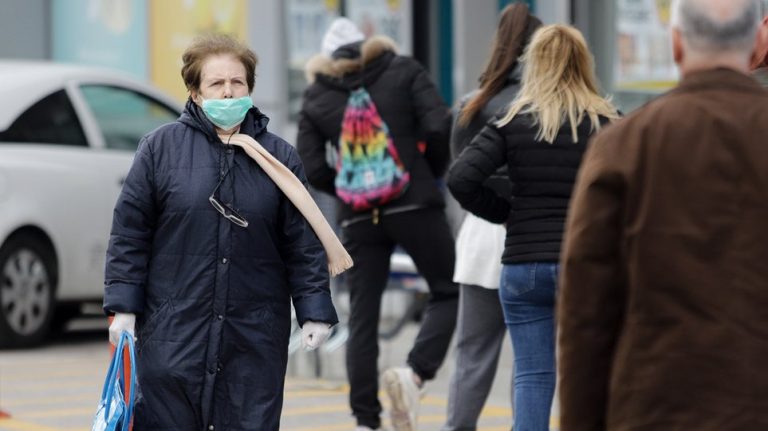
pixel 122 322
pixel 313 334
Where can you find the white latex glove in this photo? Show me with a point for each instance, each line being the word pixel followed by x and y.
pixel 313 334
pixel 122 322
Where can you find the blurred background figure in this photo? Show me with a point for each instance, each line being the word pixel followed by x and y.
pixel 541 138
pixel 411 108
pixel 759 62
pixel 480 330
pixel 662 314
pixel 207 253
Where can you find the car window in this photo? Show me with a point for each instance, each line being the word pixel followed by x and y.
pixel 52 120
pixel 124 116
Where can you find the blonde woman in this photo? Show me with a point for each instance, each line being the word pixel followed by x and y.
pixel 541 138
pixel 480 329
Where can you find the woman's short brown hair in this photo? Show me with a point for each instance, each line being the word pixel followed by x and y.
pixel 207 45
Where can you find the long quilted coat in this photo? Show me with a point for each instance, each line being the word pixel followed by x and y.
pixel 212 298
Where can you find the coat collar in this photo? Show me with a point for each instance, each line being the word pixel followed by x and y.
pixel 515 74
pixel 718 78
pixel 349 60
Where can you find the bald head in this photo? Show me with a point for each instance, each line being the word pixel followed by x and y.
pixel 714 26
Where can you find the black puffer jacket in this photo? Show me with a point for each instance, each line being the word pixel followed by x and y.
pixel 212 299
pixel 461 135
pixel 542 175
pixel 407 101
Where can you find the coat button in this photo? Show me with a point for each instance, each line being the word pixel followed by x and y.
pixel 224 260
pixel 220 317
pixel 210 427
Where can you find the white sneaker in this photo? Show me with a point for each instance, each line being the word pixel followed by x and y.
pixel 405 398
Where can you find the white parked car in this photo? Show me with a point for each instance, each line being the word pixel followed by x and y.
pixel 67 138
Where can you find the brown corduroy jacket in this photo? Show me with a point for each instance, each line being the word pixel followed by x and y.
pixel 663 308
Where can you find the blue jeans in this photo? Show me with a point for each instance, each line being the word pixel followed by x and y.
pixel 527 295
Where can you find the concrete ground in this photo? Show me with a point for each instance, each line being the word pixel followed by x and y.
pixel 56 387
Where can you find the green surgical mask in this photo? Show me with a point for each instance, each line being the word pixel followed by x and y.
pixel 227 113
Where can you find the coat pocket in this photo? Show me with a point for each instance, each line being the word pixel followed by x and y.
pixel 148 322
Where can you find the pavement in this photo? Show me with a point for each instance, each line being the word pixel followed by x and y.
pixel 56 387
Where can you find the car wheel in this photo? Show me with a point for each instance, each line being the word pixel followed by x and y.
pixel 27 285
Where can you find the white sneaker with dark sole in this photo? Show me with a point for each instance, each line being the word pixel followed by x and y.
pixel 404 397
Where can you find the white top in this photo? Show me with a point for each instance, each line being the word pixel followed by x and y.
pixel 479 247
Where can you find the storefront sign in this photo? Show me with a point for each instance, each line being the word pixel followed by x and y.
pixel 644 47
pixel 110 33
pixel 387 17
pixel 173 26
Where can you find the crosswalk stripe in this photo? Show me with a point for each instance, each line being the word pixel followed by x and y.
pixel 37 401
pixel 67 373
pixel 300 411
pixel 16 425
pixel 60 413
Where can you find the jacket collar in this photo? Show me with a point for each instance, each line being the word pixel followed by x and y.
pixel 352 64
pixel 516 74
pixel 253 125
pixel 719 78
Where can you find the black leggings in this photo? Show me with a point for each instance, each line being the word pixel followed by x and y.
pixel 425 235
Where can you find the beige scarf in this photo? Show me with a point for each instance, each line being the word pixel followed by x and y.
pixel 338 258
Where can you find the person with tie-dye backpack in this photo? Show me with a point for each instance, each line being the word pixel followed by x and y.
pixel 375 108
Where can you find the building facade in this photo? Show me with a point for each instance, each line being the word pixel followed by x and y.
pixel 452 38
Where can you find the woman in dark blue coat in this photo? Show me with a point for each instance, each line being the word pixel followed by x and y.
pixel 206 254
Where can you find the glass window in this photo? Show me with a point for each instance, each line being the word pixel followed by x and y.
pixel 124 116
pixel 307 21
pixel 643 66
pixel 52 120
pixel 632 46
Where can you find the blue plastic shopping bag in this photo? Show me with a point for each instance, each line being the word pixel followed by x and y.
pixel 114 413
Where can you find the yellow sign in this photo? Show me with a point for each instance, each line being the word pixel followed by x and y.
pixel 663 9
pixel 174 23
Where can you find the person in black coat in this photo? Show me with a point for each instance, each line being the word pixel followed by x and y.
pixel 541 138
pixel 206 254
pixel 480 330
pixel 412 108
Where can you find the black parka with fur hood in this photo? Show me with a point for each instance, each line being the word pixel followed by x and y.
pixel 406 99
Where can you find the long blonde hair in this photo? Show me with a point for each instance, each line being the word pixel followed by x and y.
pixel 558 83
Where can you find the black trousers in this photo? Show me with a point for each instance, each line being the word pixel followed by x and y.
pixel 425 235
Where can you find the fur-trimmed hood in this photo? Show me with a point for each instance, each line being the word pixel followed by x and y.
pixel 335 68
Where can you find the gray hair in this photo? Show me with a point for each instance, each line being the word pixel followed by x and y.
pixel 706 30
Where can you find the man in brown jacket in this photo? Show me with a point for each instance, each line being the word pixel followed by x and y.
pixel 664 286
